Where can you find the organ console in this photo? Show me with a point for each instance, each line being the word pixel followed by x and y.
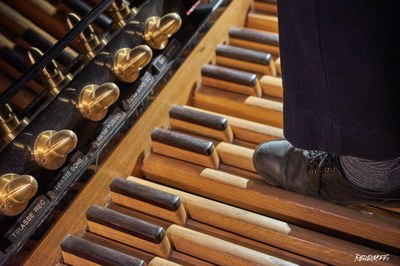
pixel 127 130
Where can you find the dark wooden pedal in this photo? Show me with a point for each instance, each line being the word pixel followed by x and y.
pixel 79 251
pixel 245 59
pixel 254 39
pixel 230 79
pixel 148 200
pixel 128 230
pixel 200 123
pixel 184 147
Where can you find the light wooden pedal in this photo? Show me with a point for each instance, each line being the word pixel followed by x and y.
pixel 79 251
pixel 266 6
pixel 216 250
pixel 278 66
pixel 184 147
pixel 236 156
pixel 150 201
pixel 245 59
pixel 246 107
pixel 254 39
pixel 230 79
pixel 128 230
pixel 272 86
pixel 200 123
pixel 262 22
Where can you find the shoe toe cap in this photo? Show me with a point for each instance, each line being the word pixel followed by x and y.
pixel 268 159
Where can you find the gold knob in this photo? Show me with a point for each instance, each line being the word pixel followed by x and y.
pixel 95 100
pixel 15 193
pixel 88 40
pixel 52 147
pixel 129 62
pixel 158 30
pixel 51 75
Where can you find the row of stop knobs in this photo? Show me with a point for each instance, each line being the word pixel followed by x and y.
pixel 51 148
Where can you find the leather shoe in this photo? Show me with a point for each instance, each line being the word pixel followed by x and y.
pixel 314 173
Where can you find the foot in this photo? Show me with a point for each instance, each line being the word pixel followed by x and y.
pixel 313 173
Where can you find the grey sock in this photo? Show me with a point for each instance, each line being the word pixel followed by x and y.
pixel 378 176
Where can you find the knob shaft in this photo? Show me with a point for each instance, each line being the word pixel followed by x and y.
pixel 158 30
pixel 88 40
pixel 129 62
pixel 52 147
pixel 95 100
pixel 10 124
pixel 15 193
pixel 51 75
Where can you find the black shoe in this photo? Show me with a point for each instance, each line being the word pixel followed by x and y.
pixel 313 173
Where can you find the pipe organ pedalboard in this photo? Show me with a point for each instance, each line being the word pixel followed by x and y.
pixel 127 131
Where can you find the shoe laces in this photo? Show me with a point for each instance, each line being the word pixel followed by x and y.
pixel 318 164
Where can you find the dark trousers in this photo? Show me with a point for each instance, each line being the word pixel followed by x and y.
pixel 341 76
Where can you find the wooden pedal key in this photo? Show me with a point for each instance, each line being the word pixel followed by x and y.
pixel 272 86
pixel 231 80
pixel 252 108
pixel 247 130
pixel 266 6
pixel 262 22
pixel 79 251
pixel 254 39
pixel 150 201
pixel 200 123
pixel 184 147
pixel 202 152
pixel 245 59
pixel 278 66
pixel 128 230
pixel 216 250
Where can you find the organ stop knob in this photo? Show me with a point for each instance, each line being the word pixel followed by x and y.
pixel 158 30
pixel 15 193
pixel 52 147
pixel 128 62
pixel 95 100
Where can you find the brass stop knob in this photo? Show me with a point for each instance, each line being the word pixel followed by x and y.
pixel 15 193
pixel 95 100
pixel 129 62
pixel 157 30
pixel 52 147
